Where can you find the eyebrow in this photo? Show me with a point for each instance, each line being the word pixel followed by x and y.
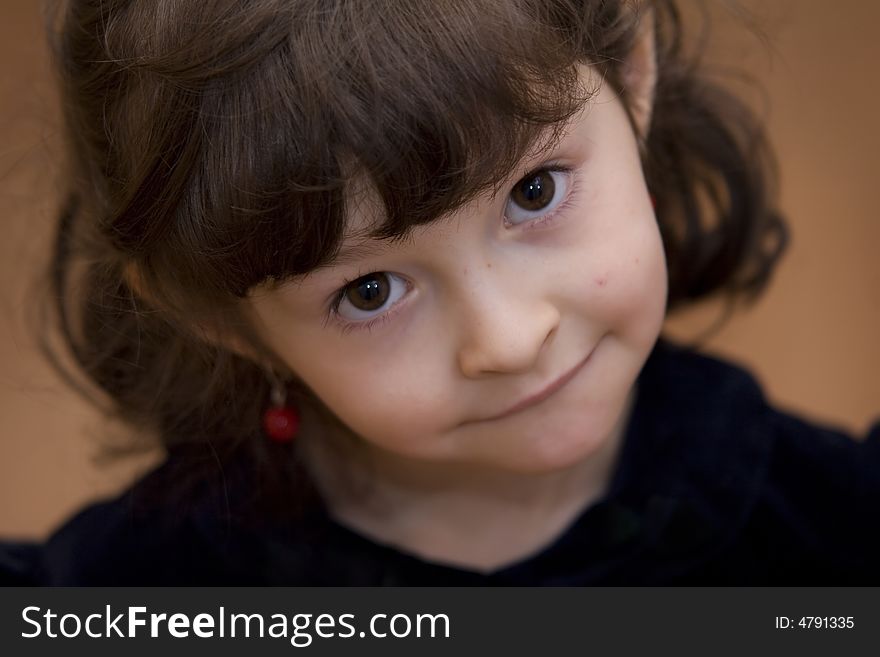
pixel 365 244
pixel 354 252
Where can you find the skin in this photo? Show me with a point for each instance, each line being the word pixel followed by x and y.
pixel 489 307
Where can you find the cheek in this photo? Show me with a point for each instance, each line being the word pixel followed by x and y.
pixel 386 399
pixel 625 281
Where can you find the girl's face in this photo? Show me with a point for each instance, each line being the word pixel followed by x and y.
pixel 507 335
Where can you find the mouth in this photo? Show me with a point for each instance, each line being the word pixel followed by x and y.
pixel 543 393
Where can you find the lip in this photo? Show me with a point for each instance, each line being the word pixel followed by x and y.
pixel 544 393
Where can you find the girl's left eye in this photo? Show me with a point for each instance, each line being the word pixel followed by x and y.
pixel 536 195
pixel 369 296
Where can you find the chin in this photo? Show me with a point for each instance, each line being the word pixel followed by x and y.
pixel 561 449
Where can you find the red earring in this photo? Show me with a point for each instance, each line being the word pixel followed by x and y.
pixel 280 421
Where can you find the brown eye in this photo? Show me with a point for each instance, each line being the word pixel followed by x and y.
pixel 538 194
pixel 534 192
pixel 370 296
pixel 369 292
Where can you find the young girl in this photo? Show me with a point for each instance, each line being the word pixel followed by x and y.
pixel 387 281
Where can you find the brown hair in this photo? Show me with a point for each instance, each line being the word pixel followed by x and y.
pixel 212 145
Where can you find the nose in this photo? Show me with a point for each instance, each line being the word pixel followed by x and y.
pixel 504 333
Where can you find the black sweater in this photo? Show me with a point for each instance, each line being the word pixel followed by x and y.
pixel 713 486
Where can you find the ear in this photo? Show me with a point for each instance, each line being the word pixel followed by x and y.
pixel 639 72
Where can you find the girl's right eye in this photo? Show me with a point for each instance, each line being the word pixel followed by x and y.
pixel 369 296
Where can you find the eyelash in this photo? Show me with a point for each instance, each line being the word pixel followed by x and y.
pixel 347 326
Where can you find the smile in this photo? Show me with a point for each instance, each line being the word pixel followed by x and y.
pixel 544 393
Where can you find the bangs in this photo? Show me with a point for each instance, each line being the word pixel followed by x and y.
pixel 434 109
pixel 425 102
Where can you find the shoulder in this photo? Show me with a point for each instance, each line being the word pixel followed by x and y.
pixel 102 544
pixel 775 497
pixel 703 392
pixel 823 486
pixel 143 536
pixel 157 533
pixel 728 407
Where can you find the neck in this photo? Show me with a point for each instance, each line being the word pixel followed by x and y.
pixel 467 515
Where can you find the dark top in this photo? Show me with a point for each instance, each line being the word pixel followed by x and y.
pixel 713 486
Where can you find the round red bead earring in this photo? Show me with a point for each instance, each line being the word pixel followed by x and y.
pixel 280 421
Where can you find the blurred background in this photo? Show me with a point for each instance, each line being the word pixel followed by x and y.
pixel 812 339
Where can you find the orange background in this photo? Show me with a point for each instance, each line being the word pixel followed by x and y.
pixel 812 339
